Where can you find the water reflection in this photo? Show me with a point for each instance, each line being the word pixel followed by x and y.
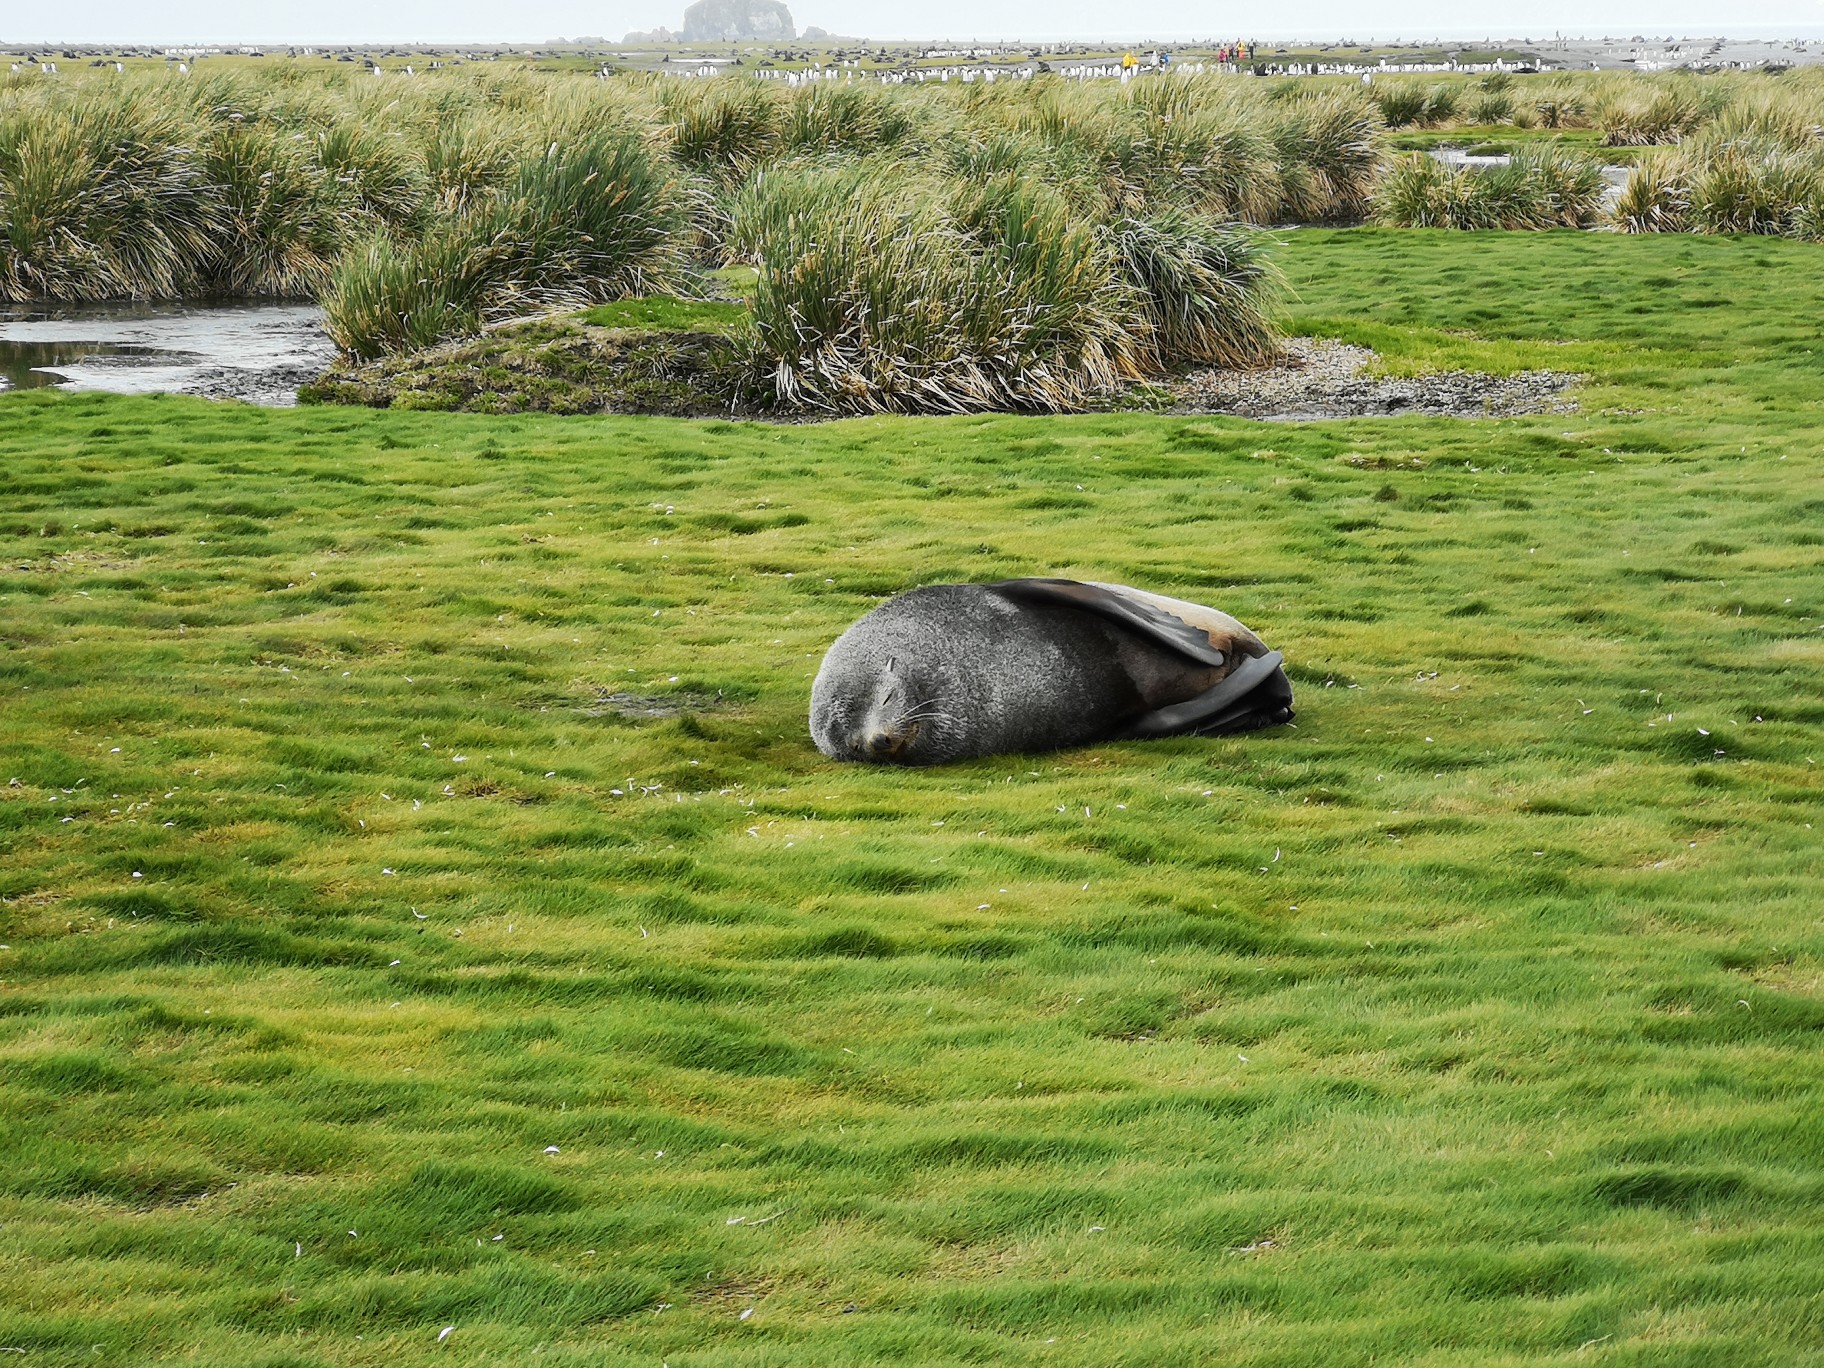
pixel 257 352
pixel 27 365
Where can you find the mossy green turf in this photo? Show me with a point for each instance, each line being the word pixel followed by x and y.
pixel 668 315
pixel 1475 1020
pixel 639 361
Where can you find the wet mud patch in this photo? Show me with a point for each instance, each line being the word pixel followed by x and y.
pixel 654 706
pixel 599 700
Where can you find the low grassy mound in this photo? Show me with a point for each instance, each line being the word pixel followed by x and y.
pixel 896 299
pixel 667 357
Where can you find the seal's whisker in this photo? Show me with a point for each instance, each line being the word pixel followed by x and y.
pixel 926 713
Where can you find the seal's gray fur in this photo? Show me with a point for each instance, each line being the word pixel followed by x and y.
pixel 958 670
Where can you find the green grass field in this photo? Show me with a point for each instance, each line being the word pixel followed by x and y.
pixel 424 906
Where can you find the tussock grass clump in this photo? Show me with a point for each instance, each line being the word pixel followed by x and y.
pixel 465 159
pixel 1442 103
pixel 1402 104
pixel 891 296
pixel 859 119
pixel 855 279
pixel 162 189
pixel 1050 302
pixel 913 294
pixel 1210 162
pixel 1329 153
pixel 1194 143
pixel 1417 191
pixel 1541 187
pixel 280 224
pixel 590 220
pixel 1655 114
pixel 1560 108
pixel 100 199
pixel 1118 152
pixel 1747 177
pixel 1408 104
pixel 593 219
pixel 1550 187
pixel 979 156
pixel 391 296
pixel 1755 185
pixel 722 128
pixel 1206 288
pixel 1655 198
pixel 372 174
pixel 1490 107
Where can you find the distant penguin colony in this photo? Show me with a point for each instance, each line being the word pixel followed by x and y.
pixel 955 671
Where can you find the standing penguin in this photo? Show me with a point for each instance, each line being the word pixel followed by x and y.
pixel 953 671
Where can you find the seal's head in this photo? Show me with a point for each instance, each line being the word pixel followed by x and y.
pixel 869 714
pixel 880 696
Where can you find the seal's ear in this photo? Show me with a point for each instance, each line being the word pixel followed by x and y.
pixel 1201 634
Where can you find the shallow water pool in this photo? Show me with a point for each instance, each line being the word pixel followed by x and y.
pixel 259 353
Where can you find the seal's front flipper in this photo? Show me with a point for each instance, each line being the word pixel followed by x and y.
pixel 1147 614
pixel 1255 694
pixel 1252 691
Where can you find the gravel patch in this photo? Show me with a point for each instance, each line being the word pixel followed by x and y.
pixel 1320 378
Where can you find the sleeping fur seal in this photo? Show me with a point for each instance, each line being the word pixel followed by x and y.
pixel 952 671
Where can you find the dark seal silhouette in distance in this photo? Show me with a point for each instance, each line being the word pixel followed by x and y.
pixel 954 671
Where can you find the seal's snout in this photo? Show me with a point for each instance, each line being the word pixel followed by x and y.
pixel 881 746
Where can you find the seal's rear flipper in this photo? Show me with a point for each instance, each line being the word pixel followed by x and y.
pixel 1255 694
pixel 1270 705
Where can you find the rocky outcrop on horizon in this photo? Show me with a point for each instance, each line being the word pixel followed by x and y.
pixel 717 21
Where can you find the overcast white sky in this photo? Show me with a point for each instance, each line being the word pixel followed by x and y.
pixel 531 21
